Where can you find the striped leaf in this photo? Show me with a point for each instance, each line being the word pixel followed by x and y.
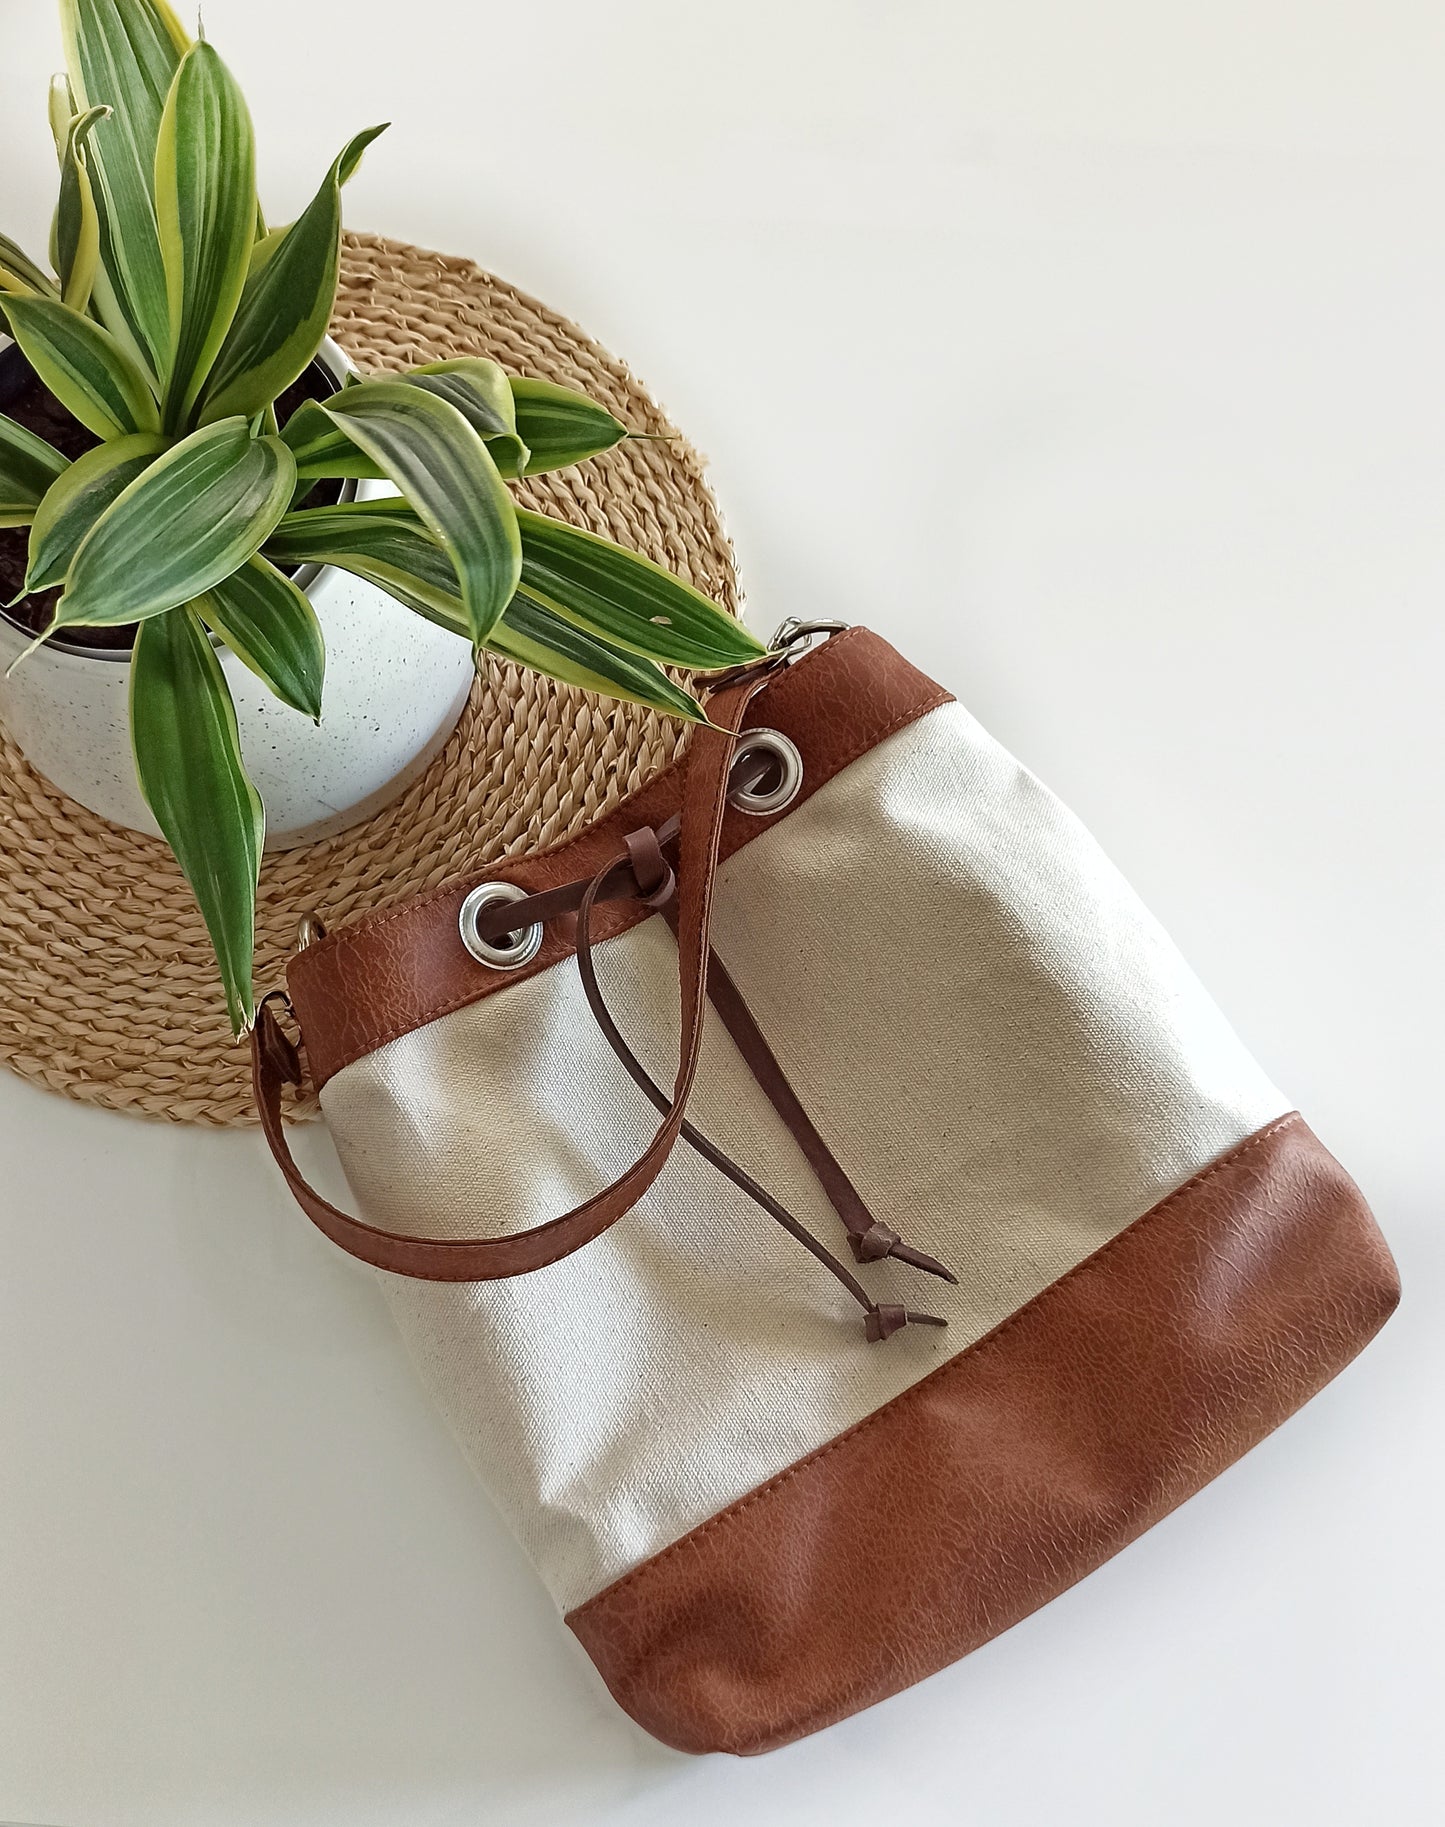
pixel 616 594
pixel 105 309
pixel 286 304
pixel 322 448
pixel 270 626
pixel 441 466
pixel 530 634
pixel 383 541
pixel 626 599
pixel 124 54
pixel 188 521
pixel 475 386
pixel 19 273
pixel 28 469
pixel 60 110
pixel 388 545
pixel 206 212
pixel 188 760
pixel 264 246
pixel 83 366
pixel 481 394
pixel 560 426
pixel 77 499
pixel 77 221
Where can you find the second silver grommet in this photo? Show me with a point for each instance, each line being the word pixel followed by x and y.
pixel 781 784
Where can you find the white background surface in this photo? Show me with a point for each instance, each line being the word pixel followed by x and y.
pixel 1093 354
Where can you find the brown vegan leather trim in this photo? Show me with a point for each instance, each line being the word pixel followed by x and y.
pixel 392 972
pixel 1014 1469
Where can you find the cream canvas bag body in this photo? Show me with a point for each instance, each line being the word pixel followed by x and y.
pixel 829 1211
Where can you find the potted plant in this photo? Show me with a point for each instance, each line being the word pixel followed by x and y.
pixel 193 482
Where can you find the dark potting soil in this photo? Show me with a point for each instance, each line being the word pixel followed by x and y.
pixel 24 399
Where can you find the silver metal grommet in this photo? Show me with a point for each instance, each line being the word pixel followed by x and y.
pixel 511 950
pixel 782 782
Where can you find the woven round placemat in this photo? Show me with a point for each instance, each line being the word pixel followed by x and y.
pixel 108 991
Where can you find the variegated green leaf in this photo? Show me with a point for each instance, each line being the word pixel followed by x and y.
pixel 77 222
pixel 532 635
pixel 105 308
pixel 28 469
pixel 383 541
pixel 480 392
pixel 560 426
pixel 286 304
pixel 124 54
pixel 206 212
pixel 191 519
pixel 321 448
pixel 442 467
pixel 19 273
pixel 78 498
pixel 189 763
pixel 615 594
pixel 60 110
pixel 475 386
pixel 386 543
pixel 83 366
pixel 626 599
pixel 348 162
pixel 264 246
pixel 270 626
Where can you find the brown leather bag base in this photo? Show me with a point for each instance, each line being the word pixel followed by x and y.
pixel 1014 1470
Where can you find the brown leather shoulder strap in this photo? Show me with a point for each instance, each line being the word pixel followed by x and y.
pixel 274 1061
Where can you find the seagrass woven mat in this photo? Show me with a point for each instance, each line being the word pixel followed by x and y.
pixel 108 992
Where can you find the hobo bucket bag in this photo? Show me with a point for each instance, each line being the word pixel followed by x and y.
pixel 828 1210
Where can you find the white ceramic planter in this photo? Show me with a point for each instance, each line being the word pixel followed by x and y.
pixel 395 687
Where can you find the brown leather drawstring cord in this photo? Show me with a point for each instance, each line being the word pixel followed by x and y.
pixel 868 1237
pixel 656 883
pixel 697 832
pixel 643 873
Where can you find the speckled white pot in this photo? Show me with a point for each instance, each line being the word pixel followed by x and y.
pixel 395 687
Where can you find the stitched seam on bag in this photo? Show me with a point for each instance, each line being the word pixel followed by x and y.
pixel 965 1358
pixel 370 1041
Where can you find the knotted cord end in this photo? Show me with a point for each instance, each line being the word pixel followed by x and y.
pixel 880 1240
pixel 882 1321
pixel 873 1244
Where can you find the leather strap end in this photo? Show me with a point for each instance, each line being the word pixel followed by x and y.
pixel 883 1321
pixel 880 1240
pixel 920 1259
